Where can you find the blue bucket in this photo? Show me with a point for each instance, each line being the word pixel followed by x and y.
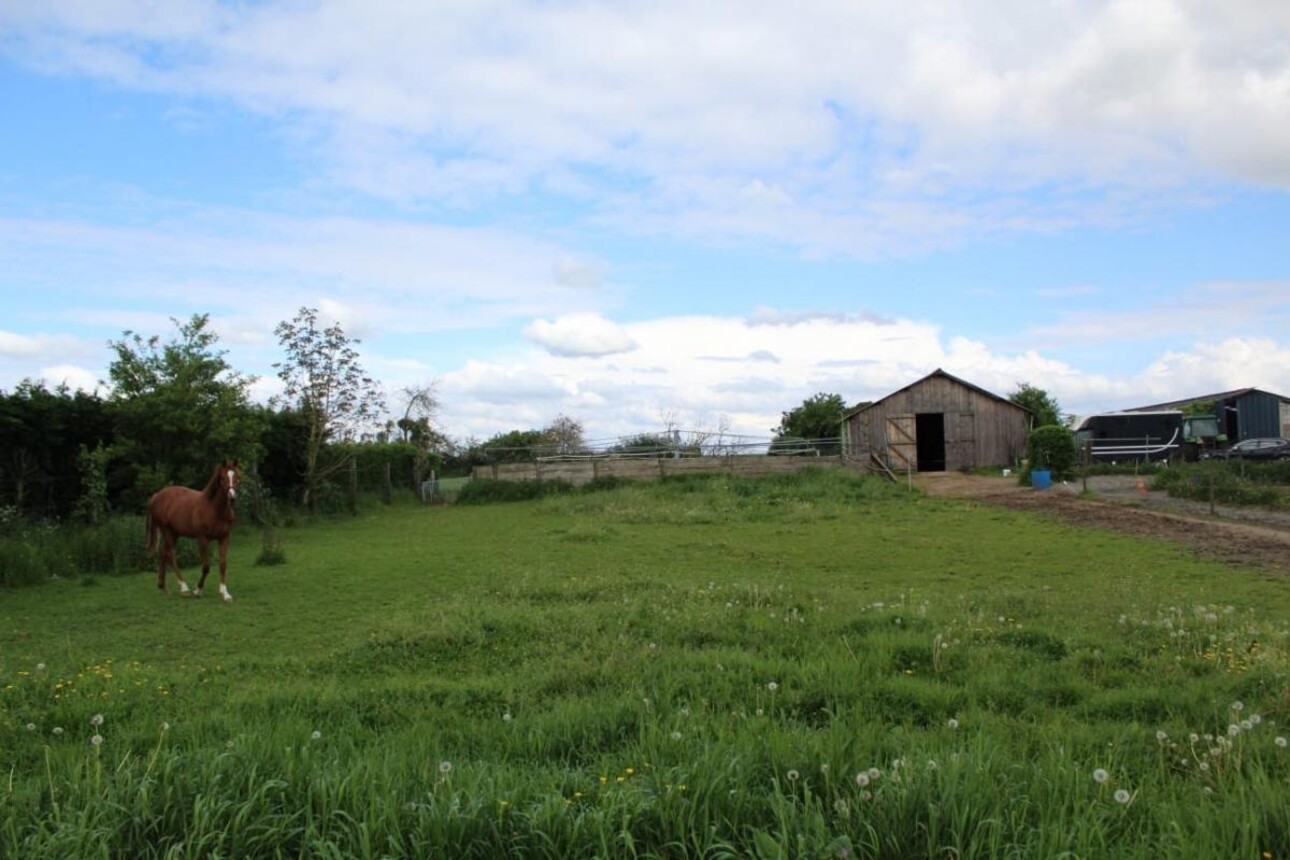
pixel 1041 479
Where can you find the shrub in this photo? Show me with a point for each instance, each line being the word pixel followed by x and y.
pixel 1052 447
pixel 483 492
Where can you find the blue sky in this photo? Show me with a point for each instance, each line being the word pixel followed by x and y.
pixel 639 214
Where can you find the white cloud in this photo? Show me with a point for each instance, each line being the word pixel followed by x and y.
pixel 75 378
pixel 672 373
pixel 580 335
pixel 837 127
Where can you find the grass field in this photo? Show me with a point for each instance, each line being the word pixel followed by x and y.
pixel 813 666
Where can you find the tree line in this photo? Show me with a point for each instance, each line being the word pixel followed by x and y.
pixel 173 407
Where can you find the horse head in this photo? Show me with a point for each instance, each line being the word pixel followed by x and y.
pixel 228 479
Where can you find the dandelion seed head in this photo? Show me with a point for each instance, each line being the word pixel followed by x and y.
pixel 1193 737
pixel 1233 730
pixel 1281 742
pixel 874 773
pixel 1238 706
pixel 506 717
pixel 31 727
pixel 793 776
pixel 862 778
pixel 58 730
pixel 1122 795
pixel 40 667
pixel 165 727
pixel 676 736
pixel 445 767
pixel 315 735
pixel 1246 725
pixel 96 720
pixel 772 686
pixel 97 739
pixel 1100 776
pixel 1161 736
pixel 953 723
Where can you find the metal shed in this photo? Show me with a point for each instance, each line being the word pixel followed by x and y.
pixel 939 423
pixel 1244 413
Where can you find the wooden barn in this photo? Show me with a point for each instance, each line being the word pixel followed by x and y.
pixel 936 424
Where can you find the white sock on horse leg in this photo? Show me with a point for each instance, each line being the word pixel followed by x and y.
pixel 223 592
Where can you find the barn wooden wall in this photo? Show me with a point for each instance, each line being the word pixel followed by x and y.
pixel 979 430
pixel 582 471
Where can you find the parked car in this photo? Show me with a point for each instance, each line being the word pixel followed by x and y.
pixel 1257 449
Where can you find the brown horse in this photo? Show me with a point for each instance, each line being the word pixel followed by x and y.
pixel 204 515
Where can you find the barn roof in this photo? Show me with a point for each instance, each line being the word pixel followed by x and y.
pixel 1222 395
pixel 937 372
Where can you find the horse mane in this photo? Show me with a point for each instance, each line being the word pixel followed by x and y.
pixel 211 490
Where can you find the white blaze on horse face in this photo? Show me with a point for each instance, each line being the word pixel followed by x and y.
pixel 232 484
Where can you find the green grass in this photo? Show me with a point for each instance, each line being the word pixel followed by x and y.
pixel 696 668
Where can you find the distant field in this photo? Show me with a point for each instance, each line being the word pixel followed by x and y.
pixel 817 665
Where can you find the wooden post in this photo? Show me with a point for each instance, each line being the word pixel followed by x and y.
pixel 389 486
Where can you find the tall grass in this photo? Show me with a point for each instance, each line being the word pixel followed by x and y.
pixel 34 553
pixel 819 666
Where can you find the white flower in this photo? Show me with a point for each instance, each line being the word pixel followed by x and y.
pixel 445 767
pixel 1161 736
pixel 824 769
pixel 772 686
pixel 165 727
pixel 1233 730
pixel 228 744
pixel 58 730
pixel 1193 737
pixel 1281 742
pixel 96 720
pixel 506 717
pixel 862 779
pixel 31 727
pixel 1256 719
pixel 874 773
pixel 315 735
pixel 1122 796
pixel 794 776
pixel 953 723
pixel 1204 765
pixel 676 736
pixel 1246 725
pixel 1100 776
pixel 40 667
pixel 97 739
pixel 1238 706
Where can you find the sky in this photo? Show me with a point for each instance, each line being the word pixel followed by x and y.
pixel 650 214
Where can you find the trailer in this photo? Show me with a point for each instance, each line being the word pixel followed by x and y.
pixel 1112 437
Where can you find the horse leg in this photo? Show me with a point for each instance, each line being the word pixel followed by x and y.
pixel 161 565
pixel 203 546
pixel 223 571
pixel 169 541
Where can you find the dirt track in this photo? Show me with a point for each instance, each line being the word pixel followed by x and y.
pixel 1255 537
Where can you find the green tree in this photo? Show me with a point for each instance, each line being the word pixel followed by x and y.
pixel 179 406
pixel 323 379
pixel 41 434
pixel 818 418
pixel 1042 405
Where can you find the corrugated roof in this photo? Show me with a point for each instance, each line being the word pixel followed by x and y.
pixel 1222 395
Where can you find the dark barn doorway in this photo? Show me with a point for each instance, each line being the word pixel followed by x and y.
pixel 930 432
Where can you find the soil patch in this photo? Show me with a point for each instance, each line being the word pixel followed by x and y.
pixel 1248 536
